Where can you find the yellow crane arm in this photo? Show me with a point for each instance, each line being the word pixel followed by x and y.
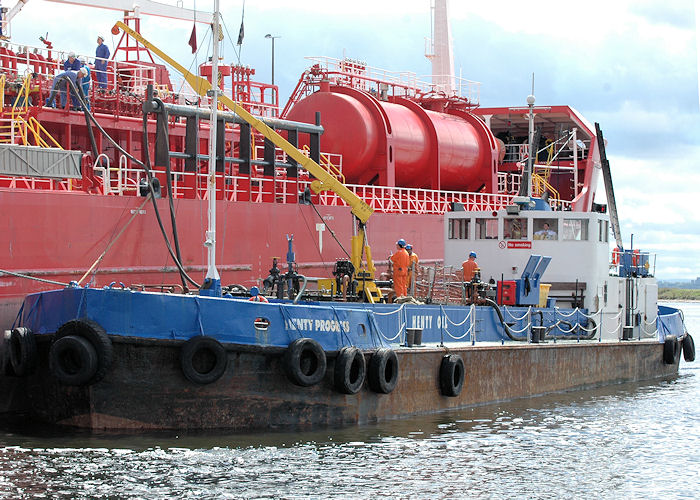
pixel 326 182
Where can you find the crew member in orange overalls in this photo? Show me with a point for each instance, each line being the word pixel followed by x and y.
pixel 413 266
pixel 400 262
pixel 469 269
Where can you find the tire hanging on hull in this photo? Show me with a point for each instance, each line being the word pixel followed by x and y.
pixel 65 368
pixel 203 360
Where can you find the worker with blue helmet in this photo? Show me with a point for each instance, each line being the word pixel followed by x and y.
pixel 412 267
pixel 470 267
pixel 399 265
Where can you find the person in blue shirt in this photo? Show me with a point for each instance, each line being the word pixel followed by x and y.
pixel 83 79
pixel 101 57
pixel 80 77
pixel 72 63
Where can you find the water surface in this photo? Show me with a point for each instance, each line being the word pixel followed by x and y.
pixel 623 441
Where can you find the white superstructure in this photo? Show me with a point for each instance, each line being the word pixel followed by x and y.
pixel 580 272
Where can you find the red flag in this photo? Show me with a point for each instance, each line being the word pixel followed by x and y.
pixel 193 39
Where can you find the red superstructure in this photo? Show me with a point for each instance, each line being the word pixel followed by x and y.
pixel 410 152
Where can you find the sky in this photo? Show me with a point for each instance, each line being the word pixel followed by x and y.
pixel 632 66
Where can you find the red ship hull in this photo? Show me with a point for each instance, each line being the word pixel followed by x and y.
pixel 58 235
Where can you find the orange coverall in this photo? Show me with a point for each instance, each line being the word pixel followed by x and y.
pixel 413 263
pixel 401 261
pixel 468 268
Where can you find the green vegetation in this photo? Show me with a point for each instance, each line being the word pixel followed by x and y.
pixel 679 294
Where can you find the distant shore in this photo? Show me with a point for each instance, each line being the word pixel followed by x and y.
pixel 684 294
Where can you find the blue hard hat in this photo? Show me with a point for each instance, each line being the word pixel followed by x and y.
pixel 254 290
pixel 409 246
pixel 472 254
pixel 401 242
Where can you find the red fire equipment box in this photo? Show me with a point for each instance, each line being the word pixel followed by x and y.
pixel 506 293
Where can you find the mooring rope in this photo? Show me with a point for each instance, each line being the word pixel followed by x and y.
pixel 20 275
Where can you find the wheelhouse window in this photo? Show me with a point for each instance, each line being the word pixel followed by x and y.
pixel 486 229
pixel 458 229
pixel 515 229
pixel 545 229
pixel 575 229
pixel 603 231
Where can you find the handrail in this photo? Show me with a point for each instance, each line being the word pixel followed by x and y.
pixel 38 128
pixel 324 181
pixel 330 166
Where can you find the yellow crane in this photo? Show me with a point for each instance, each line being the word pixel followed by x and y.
pixel 325 181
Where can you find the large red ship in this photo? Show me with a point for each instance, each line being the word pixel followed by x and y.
pixel 411 150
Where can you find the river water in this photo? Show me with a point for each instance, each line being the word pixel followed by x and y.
pixel 624 441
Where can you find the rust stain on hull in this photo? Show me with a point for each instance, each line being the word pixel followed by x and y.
pixel 146 390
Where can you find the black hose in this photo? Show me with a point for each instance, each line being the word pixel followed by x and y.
pixel 169 184
pixel 505 325
pixel 147 168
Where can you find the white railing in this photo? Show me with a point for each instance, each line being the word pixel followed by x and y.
pixel 407 80
pixel 261 189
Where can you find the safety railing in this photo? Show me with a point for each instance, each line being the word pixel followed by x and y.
pixel 360 75
pixel 257 188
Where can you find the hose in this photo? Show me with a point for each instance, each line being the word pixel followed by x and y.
pixel 505 325
pixel 146 167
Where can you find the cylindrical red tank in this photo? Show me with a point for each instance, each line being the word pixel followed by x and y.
pixel 370 134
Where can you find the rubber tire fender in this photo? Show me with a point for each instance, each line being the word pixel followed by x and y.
pixel 452 375
pixel 688 348
pixel 305 362
pixel 383 371
pixel 73 360
pixel 671 350
pixel 350 370
pixel 96 335
pixel 203 360
pixel 23 352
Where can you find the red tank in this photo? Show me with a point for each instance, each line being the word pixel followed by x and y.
pixel 397 142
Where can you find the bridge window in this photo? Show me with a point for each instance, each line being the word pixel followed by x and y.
pixel 603 231
pixel 575 229
pixel 486 229
pixel 458 229
pixel 515 229
pixel 545 229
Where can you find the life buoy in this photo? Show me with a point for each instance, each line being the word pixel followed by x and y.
pixel 451 375
pixel 203 360
pixel 688 348
pixel 258 298
pixel 73 360
pixel 350 369
pixel 305 362
pixel 616 256
pixel 671 350
pixel 98 339
pixel 383 371
pixel 635 257
pixel 23 353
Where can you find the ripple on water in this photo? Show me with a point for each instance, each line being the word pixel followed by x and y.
pixel 625 441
